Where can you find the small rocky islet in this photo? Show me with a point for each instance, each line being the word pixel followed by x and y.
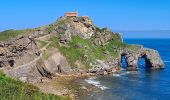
pixel 70 46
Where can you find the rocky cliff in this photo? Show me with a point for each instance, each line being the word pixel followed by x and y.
pixel 69 45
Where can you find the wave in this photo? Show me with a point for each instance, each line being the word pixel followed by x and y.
pixel 96 83
pixel 125 73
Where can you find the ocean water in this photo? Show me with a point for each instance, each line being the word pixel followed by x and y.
pixel 141 85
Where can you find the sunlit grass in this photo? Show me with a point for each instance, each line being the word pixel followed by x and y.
pixel 9 34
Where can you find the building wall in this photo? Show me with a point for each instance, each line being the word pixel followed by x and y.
pixel 71 14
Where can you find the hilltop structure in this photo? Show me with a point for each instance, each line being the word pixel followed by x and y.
pixel 71 14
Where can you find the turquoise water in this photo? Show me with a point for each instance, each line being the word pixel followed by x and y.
pixel 141 85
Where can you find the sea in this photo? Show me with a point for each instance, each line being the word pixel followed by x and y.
pixel 141 85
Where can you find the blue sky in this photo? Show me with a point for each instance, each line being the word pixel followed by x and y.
pixel 115 14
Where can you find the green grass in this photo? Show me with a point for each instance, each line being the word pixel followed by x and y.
pixel 91 51
pixel 9 34
pixel 71 53
pixel 11 89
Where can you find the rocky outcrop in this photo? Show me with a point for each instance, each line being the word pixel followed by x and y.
pixel 79 26
pixel 13 49
pixel 57 63
pixel 134 53
pixel 104 36
pixel 23 58
pixel 104 67
pixel 74 26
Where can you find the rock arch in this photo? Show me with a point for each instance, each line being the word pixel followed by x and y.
pixel 152 58
pixel 123 60
pixel 131 61
pixel 147 61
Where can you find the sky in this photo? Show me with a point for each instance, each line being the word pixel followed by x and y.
pixel 118 15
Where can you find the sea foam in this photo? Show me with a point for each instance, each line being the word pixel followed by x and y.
pixel 96 83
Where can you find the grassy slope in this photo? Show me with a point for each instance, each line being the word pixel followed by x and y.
pixel 11 89
pixel 88 53
pixel 9 34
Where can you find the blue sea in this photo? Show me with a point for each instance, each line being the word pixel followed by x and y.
pixel 141 85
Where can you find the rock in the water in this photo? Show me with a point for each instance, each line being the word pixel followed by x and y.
pixel 134 53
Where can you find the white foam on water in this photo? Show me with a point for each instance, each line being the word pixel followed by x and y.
pixel 117 75
pixel 121 74
pixel 96 83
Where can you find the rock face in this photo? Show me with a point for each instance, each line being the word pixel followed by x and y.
pixel 100 65
pixel 23 58
pixel 14 49
pixel 57 63
pixel 80 26
pixel 133 54
pixel 104 36
pixel 73 26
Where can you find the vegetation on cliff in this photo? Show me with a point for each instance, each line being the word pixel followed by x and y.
pixel 85 50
